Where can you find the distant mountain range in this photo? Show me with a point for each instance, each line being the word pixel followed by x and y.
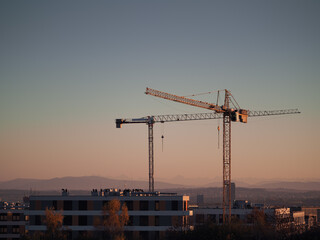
pixel 94 182
pixel 303 186
pixel 80 183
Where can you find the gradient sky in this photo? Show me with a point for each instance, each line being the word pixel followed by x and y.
pixel 68 69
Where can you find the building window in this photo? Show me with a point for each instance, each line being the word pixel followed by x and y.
pixel 211 218
pixel 199 218
pixel 16 217
pixel 83 234
pixel 144 205
pixel 156 206
pixel 144 235
pixel 83 205
pixel 54 205
pixel 3 229
pixel 144 221
pixel 130 222
pixel 67 234
pixel 174 205
pixel 37 220
pixel 105 205
pixel 165 220
pixel 156 221
pixel 3 217
pixel 235 217
pixel 157 235
pixel 67 220
pixel 67 205
pixel 129 205
pixel 82 220
pixel 38 205
pixel 15 229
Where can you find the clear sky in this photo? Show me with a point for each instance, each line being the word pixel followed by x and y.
pixel 68 69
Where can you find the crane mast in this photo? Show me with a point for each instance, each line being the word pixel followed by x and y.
pixel 226 157
pixel 151 156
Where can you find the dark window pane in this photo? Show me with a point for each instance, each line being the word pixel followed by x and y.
pixel 82 220
pixel 83 205
pixel 37 220
pixel 144 205
pixel 174 205
pixel 143 220
pixel 67 220
pixel 67 205
pixel 129 205
pixel 54 205
pixel 156 221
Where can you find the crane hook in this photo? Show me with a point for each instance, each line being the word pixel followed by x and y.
pixel 162 137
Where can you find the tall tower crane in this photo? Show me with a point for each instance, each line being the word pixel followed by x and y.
pixel 151 120
pixel 229 114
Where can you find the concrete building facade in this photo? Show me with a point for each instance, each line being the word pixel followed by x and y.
pixel 150 214
pixel 12 221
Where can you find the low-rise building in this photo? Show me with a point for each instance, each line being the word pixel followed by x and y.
pixel 279 217
pixel 12 221
pixel 150 214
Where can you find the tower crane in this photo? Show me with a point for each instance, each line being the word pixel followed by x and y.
pixel 229 114
pixel 151 120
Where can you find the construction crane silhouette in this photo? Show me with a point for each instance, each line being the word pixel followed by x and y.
pixel 229 114
pixel 151 120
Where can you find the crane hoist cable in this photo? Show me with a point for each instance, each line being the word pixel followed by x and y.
pixel 218 128
pixel 198 94
pixel 162 134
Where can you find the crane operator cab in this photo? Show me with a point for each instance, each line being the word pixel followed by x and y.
pixel 240 115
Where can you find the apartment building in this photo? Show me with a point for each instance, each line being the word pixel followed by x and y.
pixel 279 218
pixel 12 221
pixel 150 214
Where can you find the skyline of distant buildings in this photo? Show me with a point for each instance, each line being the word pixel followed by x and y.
pixel 151 214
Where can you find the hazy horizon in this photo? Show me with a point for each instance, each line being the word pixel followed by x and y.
pixel 195 181
pixel 69 69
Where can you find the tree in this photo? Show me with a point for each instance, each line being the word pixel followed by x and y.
pixel 114 220
pixel 53 221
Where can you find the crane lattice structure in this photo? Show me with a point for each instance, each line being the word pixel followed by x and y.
pixel 151 120
pixel 229 114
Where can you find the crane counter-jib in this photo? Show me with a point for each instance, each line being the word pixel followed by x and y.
pixel 119 122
